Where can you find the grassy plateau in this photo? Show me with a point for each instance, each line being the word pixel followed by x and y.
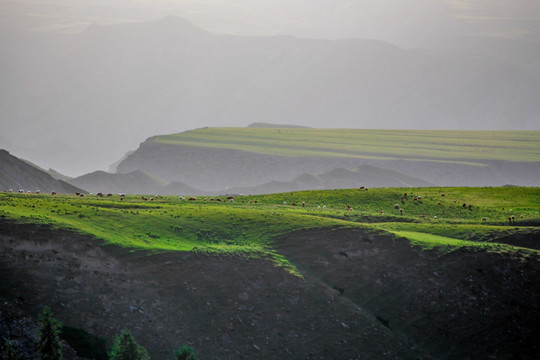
pixel 467 146
pixel 487 219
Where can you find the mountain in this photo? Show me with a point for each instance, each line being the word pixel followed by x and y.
pixel 106 89
pixel 253 160
pixel 339 178
pixel 135 182
pixel 16 174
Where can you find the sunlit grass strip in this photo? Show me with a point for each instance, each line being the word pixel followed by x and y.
pixel 443 243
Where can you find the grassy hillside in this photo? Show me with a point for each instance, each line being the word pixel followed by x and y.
pixel 250 224
pixel 520 146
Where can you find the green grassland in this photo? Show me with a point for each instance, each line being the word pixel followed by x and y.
pixel 465 146
pixel 250 224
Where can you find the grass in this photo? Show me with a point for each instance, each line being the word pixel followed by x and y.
pixel 250 224
pixel 446 146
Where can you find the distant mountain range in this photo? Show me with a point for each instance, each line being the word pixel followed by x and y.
pixel 266 159
pixel 108 88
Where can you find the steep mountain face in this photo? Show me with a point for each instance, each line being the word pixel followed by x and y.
pixel 110 87
pixel 16 174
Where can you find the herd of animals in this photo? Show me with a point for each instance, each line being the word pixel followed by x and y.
pixel 230 198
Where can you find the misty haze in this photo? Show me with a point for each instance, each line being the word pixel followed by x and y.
pixel 255 179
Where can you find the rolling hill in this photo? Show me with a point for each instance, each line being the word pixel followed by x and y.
pixel 258 278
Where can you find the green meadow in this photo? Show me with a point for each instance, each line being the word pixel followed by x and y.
pixel 467 146
pixel 439 218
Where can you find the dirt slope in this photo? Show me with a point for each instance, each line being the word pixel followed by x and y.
pixel 224 307
pixel 457 305
pixel 363 297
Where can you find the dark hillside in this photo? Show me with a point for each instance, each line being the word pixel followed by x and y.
pixel 362 296
pixel 16 174
pixel 225 307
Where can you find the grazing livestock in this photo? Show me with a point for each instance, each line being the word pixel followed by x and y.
pixel 231 200
pixel 53 192
pixel 293 204
pixel 396 206
pixel 142 197
pixel 419 198
pixel 122 194
pixel 464 205
pixel 21 191
pixel 324 207
pixel 443 194
pixel 37 191
pixel 192 198
pixel 439 203
pixel 230 197
pixel 99 194
pixel 109 195
pixel 521 216
pixel 435 217
pixel 219 200
pixel 318 206
pixel 512 217
pixel 470 207
pixel 82 195
pixel 77 193
pixel 401 211
pixel 284 203
pixel 303 204
pixel 484 219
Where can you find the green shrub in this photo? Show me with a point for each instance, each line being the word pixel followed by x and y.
pixel 10 353
pixel 125 348
pixel 185 353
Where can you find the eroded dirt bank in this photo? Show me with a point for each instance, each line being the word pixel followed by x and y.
pixel 224 307
pixel 457 305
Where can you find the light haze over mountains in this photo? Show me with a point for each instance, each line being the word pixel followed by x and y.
pixel 84 82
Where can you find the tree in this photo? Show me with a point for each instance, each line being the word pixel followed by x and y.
pixel 49 346
pixel 125 348
pixel 185 353
pixel 10 353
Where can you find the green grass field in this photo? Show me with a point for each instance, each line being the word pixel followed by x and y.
pixel 465 146
pixel 251 223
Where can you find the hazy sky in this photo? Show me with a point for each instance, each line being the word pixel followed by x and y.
pixel 403 22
